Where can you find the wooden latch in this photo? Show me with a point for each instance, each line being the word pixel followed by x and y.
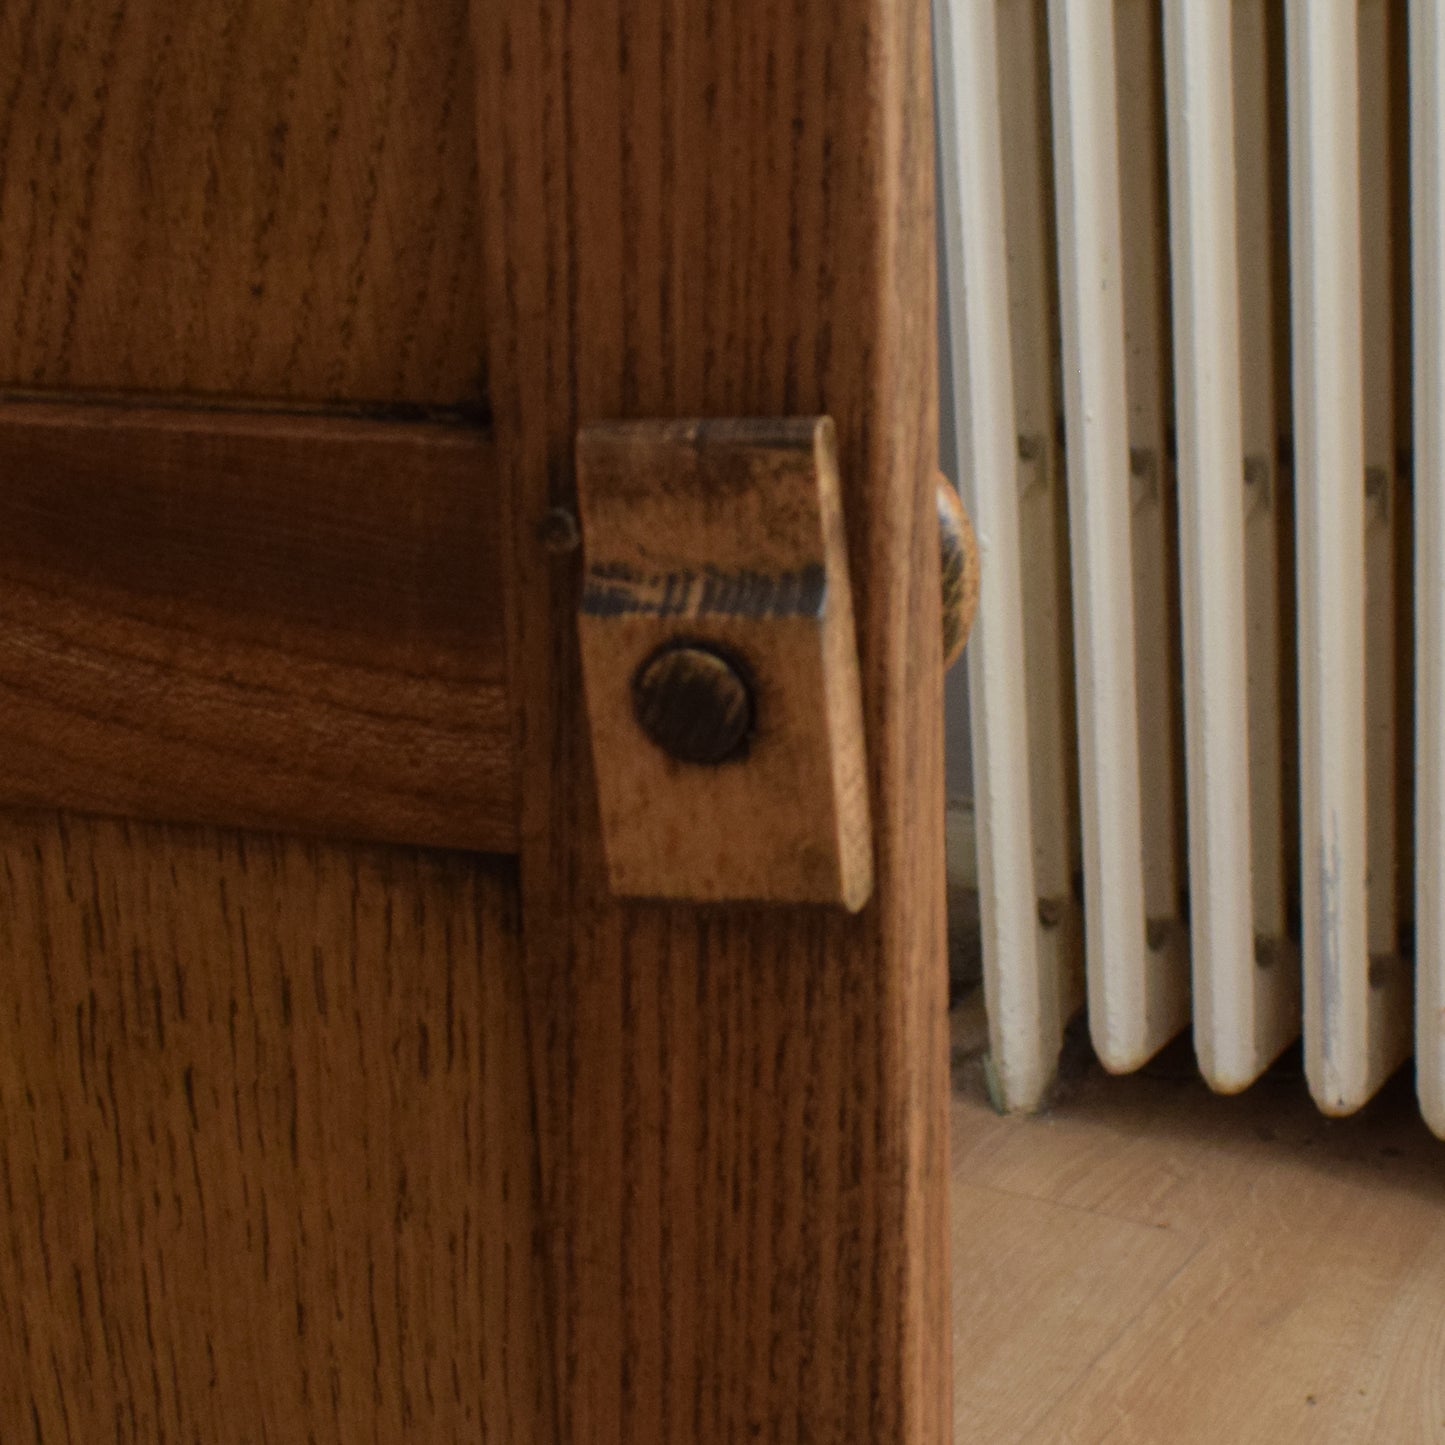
pixel 720 662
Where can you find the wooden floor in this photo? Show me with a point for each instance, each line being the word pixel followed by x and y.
pixel 1148 1263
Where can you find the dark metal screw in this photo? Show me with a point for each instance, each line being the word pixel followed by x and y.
pixel 1051 912
pixel 694 703
pixel 558 531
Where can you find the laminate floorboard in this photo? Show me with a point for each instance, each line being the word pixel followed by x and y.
pixel 1148 1264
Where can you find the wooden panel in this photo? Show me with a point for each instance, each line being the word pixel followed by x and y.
pixel 700 210
pixel 282 622
pixel 727 534
pixel 266 1152
pixel 268 200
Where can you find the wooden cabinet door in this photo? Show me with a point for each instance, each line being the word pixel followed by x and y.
pixel 339 1100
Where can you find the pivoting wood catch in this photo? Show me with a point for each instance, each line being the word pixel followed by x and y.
pixel 720 662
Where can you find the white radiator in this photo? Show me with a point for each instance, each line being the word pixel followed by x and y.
pixel 1195 260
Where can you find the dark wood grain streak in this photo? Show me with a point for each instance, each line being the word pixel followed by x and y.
pixel 265 200
pixel 709 209
pixel 267 1158
pixel 274 621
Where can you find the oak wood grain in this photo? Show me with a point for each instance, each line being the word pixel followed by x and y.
pixel 264 200
pixel 705 209
pixel 267 1162
pixel 726 535
pixel 285 622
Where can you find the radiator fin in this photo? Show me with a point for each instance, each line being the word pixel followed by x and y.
pixel 1024 994
pixel 1427 196
pixel 1199 327
pixel 1245 1010
pixel 1138 994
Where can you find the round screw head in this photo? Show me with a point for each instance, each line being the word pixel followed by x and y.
pixel 558 531
pixel 694 703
